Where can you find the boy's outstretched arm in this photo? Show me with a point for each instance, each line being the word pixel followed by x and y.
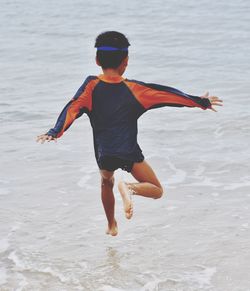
pixel 215 101
pixel 153 96
pixel 79 104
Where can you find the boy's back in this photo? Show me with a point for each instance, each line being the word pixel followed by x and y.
pixel 114 116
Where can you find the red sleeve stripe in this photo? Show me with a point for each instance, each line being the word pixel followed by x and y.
pixel 83 102
pixel 149 97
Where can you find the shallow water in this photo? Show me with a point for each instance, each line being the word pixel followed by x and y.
pixel 51 219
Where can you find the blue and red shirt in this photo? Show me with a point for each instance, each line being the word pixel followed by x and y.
pixel 114 105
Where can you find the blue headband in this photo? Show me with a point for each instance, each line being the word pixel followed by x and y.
pixel 111 48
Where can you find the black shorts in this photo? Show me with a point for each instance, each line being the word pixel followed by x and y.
pixel 110 163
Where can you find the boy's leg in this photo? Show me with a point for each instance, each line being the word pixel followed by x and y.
pixel 108 200
pixel 148 186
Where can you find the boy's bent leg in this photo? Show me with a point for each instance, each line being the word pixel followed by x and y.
pixel 108 200
pixel 149 185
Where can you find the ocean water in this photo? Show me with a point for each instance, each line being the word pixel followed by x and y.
pixel 52 225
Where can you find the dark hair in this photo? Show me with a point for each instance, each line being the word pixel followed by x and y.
pixel 111 59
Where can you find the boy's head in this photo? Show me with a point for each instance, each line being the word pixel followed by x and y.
pixel 112 49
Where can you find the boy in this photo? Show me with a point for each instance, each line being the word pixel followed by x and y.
pixel 113 105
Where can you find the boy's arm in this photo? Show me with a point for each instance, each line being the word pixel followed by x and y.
pixel 79 104
pixel 153 96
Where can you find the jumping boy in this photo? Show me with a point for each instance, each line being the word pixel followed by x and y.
pixel 113 105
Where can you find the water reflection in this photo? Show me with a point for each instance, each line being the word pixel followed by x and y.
pixel 113 258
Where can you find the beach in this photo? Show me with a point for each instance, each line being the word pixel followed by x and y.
pixel 52 224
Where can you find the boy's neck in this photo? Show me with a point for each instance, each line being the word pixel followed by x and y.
pixel 112 72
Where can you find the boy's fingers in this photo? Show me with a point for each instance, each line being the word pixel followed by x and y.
pixel 216 103
pixel 205 95
pixel 42 138
pixel 213 109
pixel 38 139
pixel 215 98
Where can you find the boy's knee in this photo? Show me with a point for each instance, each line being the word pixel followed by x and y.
pixel 108 182
pixel 160 193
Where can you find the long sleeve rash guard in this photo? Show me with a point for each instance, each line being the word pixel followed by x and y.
pixel 113 105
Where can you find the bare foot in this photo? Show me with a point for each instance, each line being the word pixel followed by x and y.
pixel 112 229
pixel 126 198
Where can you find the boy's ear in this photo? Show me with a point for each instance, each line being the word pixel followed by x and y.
pixel 126 61
pixel 97 62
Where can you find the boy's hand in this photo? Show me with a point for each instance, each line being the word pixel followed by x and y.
pixel 213 100
pixel 43 137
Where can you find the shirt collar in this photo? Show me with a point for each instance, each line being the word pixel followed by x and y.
pixel 110 79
